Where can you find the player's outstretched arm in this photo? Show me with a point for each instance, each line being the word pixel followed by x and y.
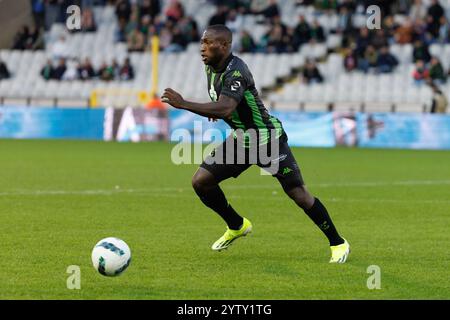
pixel 222 108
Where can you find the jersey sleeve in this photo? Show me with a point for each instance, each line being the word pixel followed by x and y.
pixel 234 85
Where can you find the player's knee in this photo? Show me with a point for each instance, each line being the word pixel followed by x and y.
pixel 202 181
pixel 301 196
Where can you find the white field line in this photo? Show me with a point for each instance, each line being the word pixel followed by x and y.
pixel 172 192
pixel 354 184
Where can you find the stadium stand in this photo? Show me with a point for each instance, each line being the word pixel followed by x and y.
pixel 277 58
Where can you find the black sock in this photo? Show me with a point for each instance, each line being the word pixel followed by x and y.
pixel 215 199
pixel 319 214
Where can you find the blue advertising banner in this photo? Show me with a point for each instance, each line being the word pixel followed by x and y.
pixel 406 130
pixel 197 128
pixel 44 123
pixel 315 129
pixel 303 129
pixel 308 129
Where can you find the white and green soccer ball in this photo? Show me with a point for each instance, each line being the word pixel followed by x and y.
pixel 111 256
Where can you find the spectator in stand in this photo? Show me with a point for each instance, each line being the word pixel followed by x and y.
pixel 20 39
pixel 123 10
pixel 435 11
pixel 437 73
pixel 165 38
pixel 126 71
pixel 53 13
pixel 87 20
pixel 344 21
pixel 38 9
pixel 26 40
pixel 35 40
pixel 421 73
pixel 220 17
pixel 151 8
pixel 136 41
pixel 444 30
pixel 121 32
pixel 316 32
pixel 386 62
pixel 247 42
pixel 71 72
pixel 418 10
pixel 48 70
pixel 302 32
pixel 60 69
pixel 348 4
pixel 275 42
pixel 390 26
pixel 379 40
pixel 85 70
pixel 440 102
pixel 419 30
pixel 146 22
pixel 106 73
pixel 115 68
pixel 4 72
pixel 421 52
pixel 178 42
pixel 363 40
pixel 288 40
pixel 276 21
pixel 404 33
pixel 350 60
pixel 432 27
pixel 175 11
pixel 133 22
pixel 270 11
pixel 234 21
pixel 311 73
pixel 322 5
pixel 368 60
pixel 189 28
pixel 60 49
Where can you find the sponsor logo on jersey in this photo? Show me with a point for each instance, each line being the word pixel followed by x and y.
pixel 280 158
pixel 235 85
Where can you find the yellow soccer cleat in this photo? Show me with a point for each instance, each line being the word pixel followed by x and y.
pixel 230 235
pixel 339 253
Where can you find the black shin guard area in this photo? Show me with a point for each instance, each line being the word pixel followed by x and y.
pixel 319 215
pixel 215 199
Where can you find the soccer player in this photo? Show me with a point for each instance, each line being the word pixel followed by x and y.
pixel 236 101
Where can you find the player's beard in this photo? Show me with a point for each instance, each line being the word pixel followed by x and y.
pixel 214 59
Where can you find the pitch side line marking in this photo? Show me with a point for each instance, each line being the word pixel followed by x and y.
pixel 161 190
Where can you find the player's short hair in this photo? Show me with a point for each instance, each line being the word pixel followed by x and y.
pixel 222 31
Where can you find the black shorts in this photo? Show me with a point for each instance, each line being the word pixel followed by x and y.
pixel 230 159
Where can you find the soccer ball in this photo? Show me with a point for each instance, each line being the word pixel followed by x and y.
pixel 111 256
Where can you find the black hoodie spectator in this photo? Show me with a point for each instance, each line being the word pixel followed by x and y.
pixel 60 69
pixel 126 71
pixel 220 17
pixel 4 72
pixel 86 71
pixel 123 10
pixel 21 38
pixel 271 10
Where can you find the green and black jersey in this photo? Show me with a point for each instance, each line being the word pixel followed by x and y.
pixel 236 81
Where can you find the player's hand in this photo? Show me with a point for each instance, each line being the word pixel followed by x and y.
pixel 173 98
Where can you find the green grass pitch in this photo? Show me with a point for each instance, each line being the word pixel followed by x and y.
pixel 58 198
